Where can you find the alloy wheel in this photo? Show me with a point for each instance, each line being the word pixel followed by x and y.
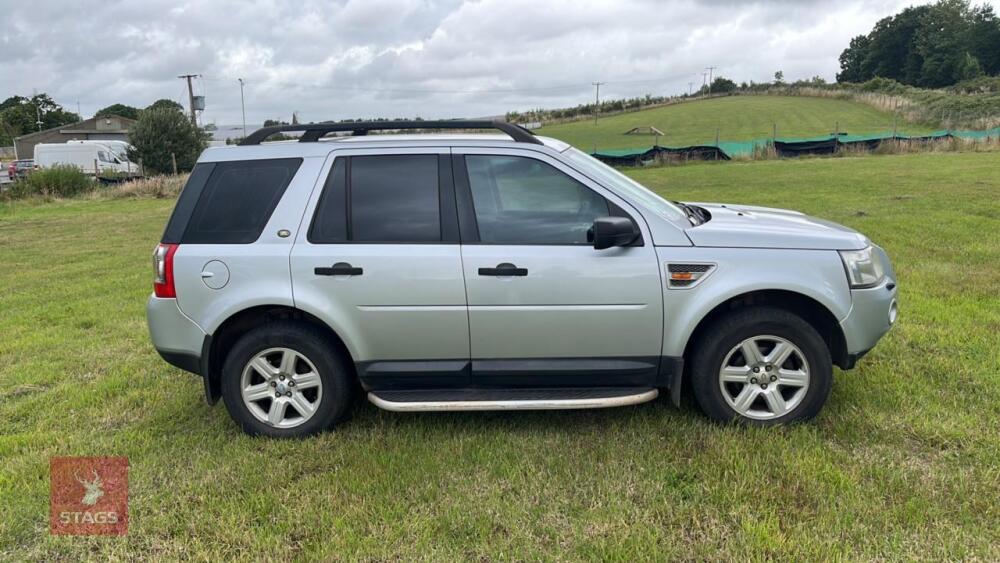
pixel 764 377
pixel 281 387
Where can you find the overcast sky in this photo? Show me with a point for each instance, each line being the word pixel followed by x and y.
pixel 406 58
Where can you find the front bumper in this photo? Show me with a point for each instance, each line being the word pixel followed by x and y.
pixel 873 313
pixel 178 339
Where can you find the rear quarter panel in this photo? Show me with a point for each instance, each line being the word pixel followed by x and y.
pixel 259 272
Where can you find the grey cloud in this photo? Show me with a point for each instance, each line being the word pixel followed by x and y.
pixel 356 58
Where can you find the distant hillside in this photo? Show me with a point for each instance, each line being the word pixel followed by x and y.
pixel 736 118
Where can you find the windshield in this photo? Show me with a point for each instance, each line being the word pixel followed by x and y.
pixel 625 186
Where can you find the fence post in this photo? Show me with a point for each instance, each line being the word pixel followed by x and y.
pixel 97 173
pixel 716 144
pixel 173 161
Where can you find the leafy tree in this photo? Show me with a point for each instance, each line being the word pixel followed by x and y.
pixel 20 115
pixel 941 42
pixel 161 132
pixel 779 77
pixel 984 38
pixel 932 46
pixel 120 110
pixel 852 60
pixel 13 101
pixel 723 85
pixel 969 68
pixel 273 122
pixel 164 103
pixel 891 51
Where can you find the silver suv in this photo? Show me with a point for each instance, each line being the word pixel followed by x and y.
pixel 494 271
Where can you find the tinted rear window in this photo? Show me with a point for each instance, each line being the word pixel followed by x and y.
pixel 330 222
pixel 236 201
pixel 395 198
pixel 380 199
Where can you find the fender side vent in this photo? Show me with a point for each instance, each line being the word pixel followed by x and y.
pixel 686 276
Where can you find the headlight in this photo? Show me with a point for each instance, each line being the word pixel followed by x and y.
pixel 864 269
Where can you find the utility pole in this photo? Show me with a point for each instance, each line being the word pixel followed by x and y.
pixel 710 69
pixel 244 108
pixel 194 120
pixel 704 80
pixel 597 99
pixel 690 85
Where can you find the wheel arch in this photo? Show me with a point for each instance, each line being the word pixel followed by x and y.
pixel 809 309
pixel 219 343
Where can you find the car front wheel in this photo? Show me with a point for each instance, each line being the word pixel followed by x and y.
pixel 761 366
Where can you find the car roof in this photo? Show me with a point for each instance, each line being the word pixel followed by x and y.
pixel 293 148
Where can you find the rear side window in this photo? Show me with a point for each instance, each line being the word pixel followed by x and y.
pixel 380 199
pixel 235 201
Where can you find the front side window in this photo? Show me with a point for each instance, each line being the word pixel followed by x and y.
pixel 625 186
pixel 520 200
pixel 380 199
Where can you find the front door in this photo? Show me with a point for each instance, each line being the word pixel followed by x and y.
pixel 545 307
pixel 381 264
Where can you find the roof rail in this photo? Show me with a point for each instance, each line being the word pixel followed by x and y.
pixel 311 132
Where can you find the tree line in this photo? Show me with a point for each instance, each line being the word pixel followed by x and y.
pixel 929 46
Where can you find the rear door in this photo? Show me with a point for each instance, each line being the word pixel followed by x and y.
pixel 381 264
pixel 545 308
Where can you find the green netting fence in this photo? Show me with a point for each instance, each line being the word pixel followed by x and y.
pixel 783 146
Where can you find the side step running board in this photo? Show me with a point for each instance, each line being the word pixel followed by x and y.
pixel 510 399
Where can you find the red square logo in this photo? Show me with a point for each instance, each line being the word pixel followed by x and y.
pixel 88 496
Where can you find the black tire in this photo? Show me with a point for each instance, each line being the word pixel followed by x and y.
pixel 729 331
pixel 335 374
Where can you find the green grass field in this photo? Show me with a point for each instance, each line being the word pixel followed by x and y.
pixel 738 118
pixel 903 463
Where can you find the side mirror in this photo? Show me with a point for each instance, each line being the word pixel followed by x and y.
pixel 612 231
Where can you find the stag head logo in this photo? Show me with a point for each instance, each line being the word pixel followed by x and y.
pixel 93 488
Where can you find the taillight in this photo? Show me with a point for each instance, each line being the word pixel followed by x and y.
pixel 163 270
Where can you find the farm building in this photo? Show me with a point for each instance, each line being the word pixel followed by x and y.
pixel 110 127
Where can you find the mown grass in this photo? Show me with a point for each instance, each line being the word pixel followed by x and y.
pixel 901 464
pixel 737 118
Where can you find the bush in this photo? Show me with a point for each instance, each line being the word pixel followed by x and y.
pixel 58 181
pixel 163 132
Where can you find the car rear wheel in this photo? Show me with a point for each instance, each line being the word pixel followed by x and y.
pixel 761 366
pixel 285 380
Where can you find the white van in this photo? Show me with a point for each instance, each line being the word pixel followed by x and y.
pixel 120 148
pixel 89 156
